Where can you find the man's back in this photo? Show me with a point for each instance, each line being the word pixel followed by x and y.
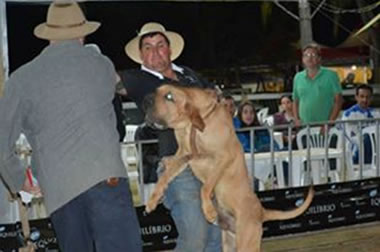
pixel 65 96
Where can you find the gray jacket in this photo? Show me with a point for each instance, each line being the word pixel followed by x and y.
pixel 62 102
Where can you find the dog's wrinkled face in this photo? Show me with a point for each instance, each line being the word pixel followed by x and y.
pixel 172 107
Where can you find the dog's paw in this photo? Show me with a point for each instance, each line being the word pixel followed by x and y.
pixel 209 212
pixel 169 162
pixel 151 204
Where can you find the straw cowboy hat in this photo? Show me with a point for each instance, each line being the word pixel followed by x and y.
pixel 65 20
pixel 176 41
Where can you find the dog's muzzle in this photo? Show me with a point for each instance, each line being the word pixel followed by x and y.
pixel 149 108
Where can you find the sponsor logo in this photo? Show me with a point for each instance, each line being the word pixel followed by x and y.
pixel 344 205
pixel 288 195
pixel 8 234
pixel 314 223
pixel 373 193
pixel 267 199
pixel 291 226
pixel 318 209
pixel 375 202
pixel 160 229
pixel 45 242
pixel 299 202
pixel 332 219
pixel 169 241
pixel 360 216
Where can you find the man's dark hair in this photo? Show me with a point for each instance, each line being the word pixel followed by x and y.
pixel 364 87
pixel 152 34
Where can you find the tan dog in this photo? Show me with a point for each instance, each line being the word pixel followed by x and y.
pixel 207 141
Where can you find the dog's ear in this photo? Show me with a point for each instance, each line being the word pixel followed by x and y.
pixel 195 117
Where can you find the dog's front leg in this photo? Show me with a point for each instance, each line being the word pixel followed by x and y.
pixel 174 165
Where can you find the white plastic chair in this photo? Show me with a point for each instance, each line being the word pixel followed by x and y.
pixel 318 140
pixel 369 170
pixel 129 150
pixel 262 114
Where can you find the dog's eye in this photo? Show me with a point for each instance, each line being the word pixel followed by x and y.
pixel 169 96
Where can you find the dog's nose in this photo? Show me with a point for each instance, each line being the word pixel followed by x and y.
pixel 148 102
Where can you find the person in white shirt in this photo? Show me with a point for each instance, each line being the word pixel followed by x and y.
pixel 360 111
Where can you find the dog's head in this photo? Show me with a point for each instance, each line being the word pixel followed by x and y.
pixel 176 107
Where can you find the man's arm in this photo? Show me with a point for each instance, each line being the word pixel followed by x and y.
pixel 296 113
pixel 338 101
pixel 11 169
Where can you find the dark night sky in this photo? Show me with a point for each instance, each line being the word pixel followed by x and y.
pixel 216 34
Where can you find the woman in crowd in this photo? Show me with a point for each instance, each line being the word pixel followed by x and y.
pixel 285 116
pixel 247 117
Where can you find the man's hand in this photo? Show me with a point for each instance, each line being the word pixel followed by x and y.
pixel 297 122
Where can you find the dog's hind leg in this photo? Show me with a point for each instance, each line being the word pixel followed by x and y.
pixel 228 241
pixel 248 233
pixel 199 164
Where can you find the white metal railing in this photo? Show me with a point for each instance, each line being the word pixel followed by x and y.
pixel 310 163
pixel 314 162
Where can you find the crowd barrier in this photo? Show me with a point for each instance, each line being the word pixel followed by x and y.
pixel 340 202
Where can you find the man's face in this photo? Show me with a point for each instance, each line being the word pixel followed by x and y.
pixel 155 53
pixel 363 98
pixel 310 58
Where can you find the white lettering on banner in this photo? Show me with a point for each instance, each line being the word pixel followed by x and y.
pixel 267 199
pixel 145 244
pixel 8 234
pixel 343 205
pixel 332 219
pixel 313 223
pixel 43 243
pixel 360 202
pixel 365 216
pixel 375 202
pixel 290 226
pixel 293 196
pixel 156 229
pixel 169 241
pixel 321 209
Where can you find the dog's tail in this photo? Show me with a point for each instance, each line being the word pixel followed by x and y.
pixel 270 215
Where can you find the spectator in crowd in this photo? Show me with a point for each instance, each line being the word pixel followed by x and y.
pixel 285 116
pixel 62 102
pixel 316 90
pixel 230 103
pixel 155 49
pixel 247 117
pixel 360 111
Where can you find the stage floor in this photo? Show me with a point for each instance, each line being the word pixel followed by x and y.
pixel 365 237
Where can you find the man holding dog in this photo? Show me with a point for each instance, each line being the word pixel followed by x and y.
pixel 155 49
pixel 62 102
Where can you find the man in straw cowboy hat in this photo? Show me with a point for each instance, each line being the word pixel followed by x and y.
pixel 62 102
pixel 155 49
